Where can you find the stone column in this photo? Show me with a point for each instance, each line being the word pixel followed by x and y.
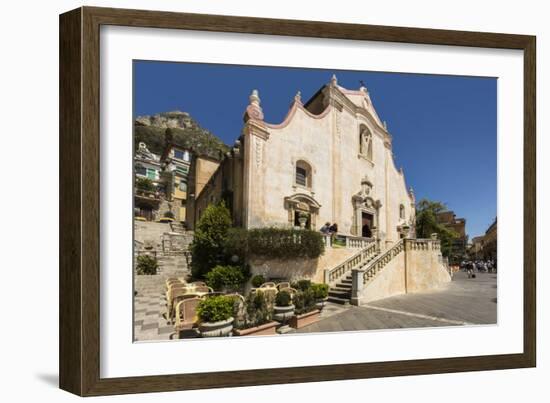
pixel 356 286
pixel 256 136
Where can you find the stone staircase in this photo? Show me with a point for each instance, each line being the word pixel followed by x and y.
pixel 339 278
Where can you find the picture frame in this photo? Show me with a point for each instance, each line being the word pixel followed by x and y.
pixel 80 153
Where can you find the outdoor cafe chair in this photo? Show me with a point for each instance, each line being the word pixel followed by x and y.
pixel 284 284
pixel 186 314
pixel 269 284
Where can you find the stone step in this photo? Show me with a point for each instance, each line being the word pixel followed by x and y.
pixel 337 300
pixel 339 294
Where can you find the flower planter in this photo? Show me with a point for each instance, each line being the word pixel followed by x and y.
pixel 216 329
pixel 283 313
pixel 320 303
pixel 267 329
pixel 305 319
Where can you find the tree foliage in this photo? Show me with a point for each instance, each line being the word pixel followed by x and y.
pixel 427 224
pixel 208 248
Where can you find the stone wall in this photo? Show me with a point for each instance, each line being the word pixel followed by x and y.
pixel 297 269
pixel 417 268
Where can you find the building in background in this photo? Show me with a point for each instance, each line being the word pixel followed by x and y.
pixel 490 242
pixel 176 163
pixel 476 248
pixel 148 187
pixel 458 225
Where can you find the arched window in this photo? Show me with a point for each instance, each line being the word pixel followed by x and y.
pixel 365 142
pixel 303 174
pixel 401 212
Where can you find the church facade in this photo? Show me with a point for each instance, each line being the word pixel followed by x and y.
pixel 329 161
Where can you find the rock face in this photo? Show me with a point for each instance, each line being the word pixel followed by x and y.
pixel 178 128
pixel 174 119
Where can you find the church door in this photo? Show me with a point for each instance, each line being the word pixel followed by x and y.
pixel 367 222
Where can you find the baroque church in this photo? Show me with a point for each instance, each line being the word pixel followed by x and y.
pixel 329 161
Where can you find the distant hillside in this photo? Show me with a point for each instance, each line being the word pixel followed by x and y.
pixel 183 130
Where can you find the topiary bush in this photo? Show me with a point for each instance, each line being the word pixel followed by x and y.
pixel 146 265
pixel 304 301
pixel 225 278
pixel 257 280
pixel 258 310
pixel 283 298
pixel 320 291
pixel 215 309
pixel 169 214
pixel 302 285
pixel 208 248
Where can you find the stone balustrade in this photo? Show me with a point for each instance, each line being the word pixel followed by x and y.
pixel 353 242
pixel 362 275
pixel 357 260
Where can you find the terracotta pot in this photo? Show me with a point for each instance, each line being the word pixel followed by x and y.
pixel 216 329
pixel 283 313
pixel 305 319
pixel 267 329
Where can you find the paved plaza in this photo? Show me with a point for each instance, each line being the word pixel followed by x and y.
pixel 462 302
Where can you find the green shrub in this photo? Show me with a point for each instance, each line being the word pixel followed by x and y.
pixel 304 301
pixel 225 278
pixel 236 243
pixel 145 184
pixel 320 291
pixel 282 298
pixel 257 280
pixel 208 248
pixel 169 214
pixel 146 265
pixel 258 310
pixel 302 285
pixel 215 309
pixel 278 243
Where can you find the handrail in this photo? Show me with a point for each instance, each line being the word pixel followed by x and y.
pixel 413 244
pixel 381 261
pixel 350 263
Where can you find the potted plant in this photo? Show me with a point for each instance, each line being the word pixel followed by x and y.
pixel 306 312
pixel 215 316
pixel 283 308
pixel 146 265
pixel 257 317
pixel 257 280
pixel 320 293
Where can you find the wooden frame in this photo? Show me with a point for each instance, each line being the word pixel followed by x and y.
pixel 79 193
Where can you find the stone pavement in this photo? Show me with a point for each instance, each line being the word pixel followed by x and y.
pixel 462 302
pixel 149 312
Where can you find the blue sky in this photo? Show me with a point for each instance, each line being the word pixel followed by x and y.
pixel 444 127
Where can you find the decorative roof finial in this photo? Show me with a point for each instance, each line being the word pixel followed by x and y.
pixel 254 110
pixel 362 86
pixel 254 98
pixel 334 80
pixel 298 97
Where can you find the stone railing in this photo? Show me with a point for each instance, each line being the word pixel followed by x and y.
pixel 327 240
pixel 381 261
pixel 353 242
pixel 357 260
